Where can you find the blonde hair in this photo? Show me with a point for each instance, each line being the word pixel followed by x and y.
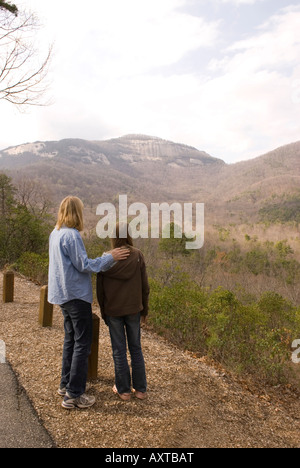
pixel 70 214
pixel 118 241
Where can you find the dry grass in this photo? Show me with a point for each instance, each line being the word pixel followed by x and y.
pixel 191 403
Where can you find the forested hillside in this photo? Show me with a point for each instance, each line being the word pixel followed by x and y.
pixel 237 299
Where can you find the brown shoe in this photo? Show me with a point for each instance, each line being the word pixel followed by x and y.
pixel 141 395
pixel 123 396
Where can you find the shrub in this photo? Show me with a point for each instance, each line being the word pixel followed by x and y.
pixel 34 266
pixel 253 338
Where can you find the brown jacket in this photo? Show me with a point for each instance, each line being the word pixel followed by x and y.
pixel 124 289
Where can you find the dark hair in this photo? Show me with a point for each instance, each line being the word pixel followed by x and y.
pixel 121 242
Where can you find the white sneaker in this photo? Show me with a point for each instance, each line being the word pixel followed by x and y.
pixel 82 402
pixel 62 392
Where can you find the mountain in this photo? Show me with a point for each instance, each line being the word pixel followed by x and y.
pixel 123 154
pixel 145 167
pixel 244 188
pixel 149 169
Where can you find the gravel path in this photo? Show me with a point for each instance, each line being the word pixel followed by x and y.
pixel 191 404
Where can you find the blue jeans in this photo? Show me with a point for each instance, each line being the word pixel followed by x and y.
pixel 121 327
pixel 77 346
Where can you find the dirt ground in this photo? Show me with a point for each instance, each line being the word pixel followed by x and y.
pixel 192 403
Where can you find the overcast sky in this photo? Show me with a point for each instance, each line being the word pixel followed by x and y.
pixel 220 75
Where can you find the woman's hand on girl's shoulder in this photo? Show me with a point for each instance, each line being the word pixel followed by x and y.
pixel 120 254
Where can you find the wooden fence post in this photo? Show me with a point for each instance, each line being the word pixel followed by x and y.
pixel 8 286
pixel 93 358
pixel 46 309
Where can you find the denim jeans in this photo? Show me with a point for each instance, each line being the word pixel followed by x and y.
pixel 77 346
pixel 121 327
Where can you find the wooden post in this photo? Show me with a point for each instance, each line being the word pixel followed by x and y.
pixel 46 309
pixel 93 358
pixel 8 286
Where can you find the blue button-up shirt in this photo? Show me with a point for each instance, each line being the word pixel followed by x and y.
pixel 70 268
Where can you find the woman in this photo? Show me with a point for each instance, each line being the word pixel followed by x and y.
pixel 123 293
pixel 70 287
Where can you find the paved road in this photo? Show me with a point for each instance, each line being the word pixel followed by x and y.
pixel 19 424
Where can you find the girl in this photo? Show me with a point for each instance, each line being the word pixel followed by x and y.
pixel 123 293
pixel 70 287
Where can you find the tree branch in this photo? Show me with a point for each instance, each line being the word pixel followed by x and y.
pixel 22 79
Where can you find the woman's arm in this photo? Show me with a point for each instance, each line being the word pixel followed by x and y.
pixel 74 249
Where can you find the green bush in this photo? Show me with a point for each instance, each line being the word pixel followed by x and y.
pixel 22 229
pixel 254 338
pixel 284 210
pixel 34 266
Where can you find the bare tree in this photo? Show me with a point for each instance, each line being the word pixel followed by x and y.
pixel 22 74
pixel 33 196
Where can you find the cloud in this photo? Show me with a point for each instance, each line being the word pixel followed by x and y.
pixel 242 105
pixel 107 59
pixel 124 38
pixel 251 100
pixel 118 68
pixel 276 45
pixel 241 2
pixel 107 63
pixel 130 39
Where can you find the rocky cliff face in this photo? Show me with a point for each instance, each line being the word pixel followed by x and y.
pixel 146 168
pixel 131 149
